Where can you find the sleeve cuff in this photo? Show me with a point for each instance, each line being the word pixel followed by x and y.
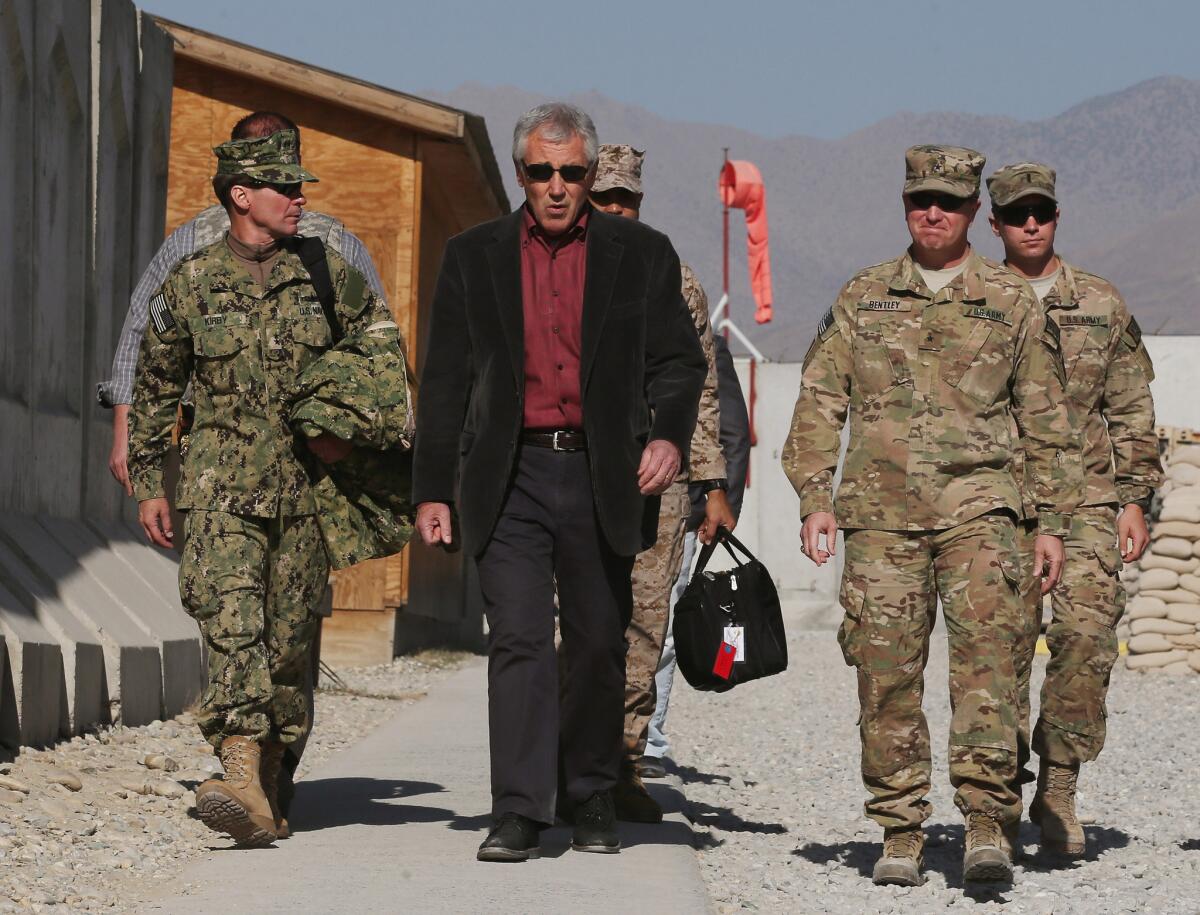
pixel 1056 524
pixel 818 500
pixel 148 485
pixel 705 470
pixel 1134 493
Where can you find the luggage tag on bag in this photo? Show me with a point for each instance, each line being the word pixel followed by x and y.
pixel 736 636
pixel 724 666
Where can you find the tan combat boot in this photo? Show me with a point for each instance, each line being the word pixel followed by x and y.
pixel 236 804
pixel 985 859
pixel 1011 841
pixel 631 800
pixel 272 766
pixel 902 859
pixel 1053 809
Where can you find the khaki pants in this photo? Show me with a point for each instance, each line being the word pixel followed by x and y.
pixel 889 591
pixel 654 574
pixel 253 586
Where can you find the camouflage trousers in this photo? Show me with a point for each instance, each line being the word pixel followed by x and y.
pixel 654 574
pixel 889 592
pixel 253 585
pixel 1087 605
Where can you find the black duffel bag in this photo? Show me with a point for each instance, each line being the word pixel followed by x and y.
pixel 728 626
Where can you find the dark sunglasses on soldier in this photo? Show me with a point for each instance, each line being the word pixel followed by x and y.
pixel 544 171
pixel 1017 214
pixel 947 203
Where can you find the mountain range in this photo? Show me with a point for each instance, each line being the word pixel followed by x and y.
pixel 1128 181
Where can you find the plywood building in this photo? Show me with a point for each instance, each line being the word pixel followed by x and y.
pixel 403 174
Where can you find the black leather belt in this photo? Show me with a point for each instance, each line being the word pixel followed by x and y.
pixel 560 440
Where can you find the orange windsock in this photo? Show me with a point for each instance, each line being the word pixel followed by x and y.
pixel 741 187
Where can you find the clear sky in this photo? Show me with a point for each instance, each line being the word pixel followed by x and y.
pixel 775 68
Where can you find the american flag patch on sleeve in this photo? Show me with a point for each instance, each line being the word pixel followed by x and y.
pixel 161 315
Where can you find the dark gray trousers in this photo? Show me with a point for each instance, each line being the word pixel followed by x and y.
pixel 548 534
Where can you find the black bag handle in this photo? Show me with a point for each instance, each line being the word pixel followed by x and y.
pixel 312 253
pixel 726 539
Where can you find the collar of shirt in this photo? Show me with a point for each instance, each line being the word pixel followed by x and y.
pixel 532 231
pixel 970 281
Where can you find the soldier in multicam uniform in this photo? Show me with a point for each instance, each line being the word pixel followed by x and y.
pixel 1108 382
pixel 931 356
pixel 618 190
pixel 242 318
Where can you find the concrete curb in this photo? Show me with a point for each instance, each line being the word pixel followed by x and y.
pixel 392 824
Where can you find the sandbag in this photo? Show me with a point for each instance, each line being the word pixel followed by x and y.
pixel 1186 640
pixel 1185 529
pixel 1142 607
pixel 1158 580
pixel 1176 668
pixel 1148 643
pixel 1184 613
pixel 1157 659
pixel 1175 547
pixel 1185 454
pixel 1177 596
pixel 1191 581
pixel 1184 474
pixel 1194 660
pixel 1162 627
pixel 1154 561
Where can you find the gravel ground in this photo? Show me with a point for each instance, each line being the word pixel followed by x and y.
pixel 770 771
pixel 97 823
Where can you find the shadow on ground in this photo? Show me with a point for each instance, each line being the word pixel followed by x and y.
pixel 944 851
pixel 331 802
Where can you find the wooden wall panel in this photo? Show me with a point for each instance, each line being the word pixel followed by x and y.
pixel 17 76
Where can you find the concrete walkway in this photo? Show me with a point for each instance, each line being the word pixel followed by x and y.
pixel 392 825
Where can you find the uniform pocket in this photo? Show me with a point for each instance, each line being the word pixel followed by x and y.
pixel 850 633
pixel 312 332
pixel 1109 557
pixel 876 342
pixel 982 366
pixel 217 351
pixel 218 342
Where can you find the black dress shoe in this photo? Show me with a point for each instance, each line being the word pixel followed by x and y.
pixel 513 838
pixel 596 825
pixel 651 767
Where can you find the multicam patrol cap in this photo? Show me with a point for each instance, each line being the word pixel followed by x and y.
pixel 619 166
pixel 953 170
pixel 1025 179
pixel 273 160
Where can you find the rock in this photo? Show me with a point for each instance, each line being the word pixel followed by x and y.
pixel 1163 626
pixel 1148 643
pixel 1184 613
pixel 10 797
pixel 159 761
pixel 7 781
pixel 1153 561
pixel 1176 596
pixel 1142 607
pixel 68 780
pixel 164 787
pixel 136 787
pixel 1175 547
pixel 1158 580
pixel 1185 454
pixel 1157 659
pixel 1184 474
pixel 54 808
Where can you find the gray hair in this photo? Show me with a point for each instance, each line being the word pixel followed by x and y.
pixel 557 121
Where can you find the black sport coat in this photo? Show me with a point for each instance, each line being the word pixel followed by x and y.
pixel 641 369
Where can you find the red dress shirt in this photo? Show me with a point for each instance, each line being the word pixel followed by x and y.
pixel 552 275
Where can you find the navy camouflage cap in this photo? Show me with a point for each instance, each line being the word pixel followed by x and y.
pixel 273 160
pixel 1025 179
pixel 953 170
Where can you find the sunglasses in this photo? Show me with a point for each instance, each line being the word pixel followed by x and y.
pixel 1018 214
pixel 947 203
pixel 544 171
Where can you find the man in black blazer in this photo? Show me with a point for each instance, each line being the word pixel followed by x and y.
pixel 557 400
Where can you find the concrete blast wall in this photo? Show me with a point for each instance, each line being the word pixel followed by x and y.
pixel 92 628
